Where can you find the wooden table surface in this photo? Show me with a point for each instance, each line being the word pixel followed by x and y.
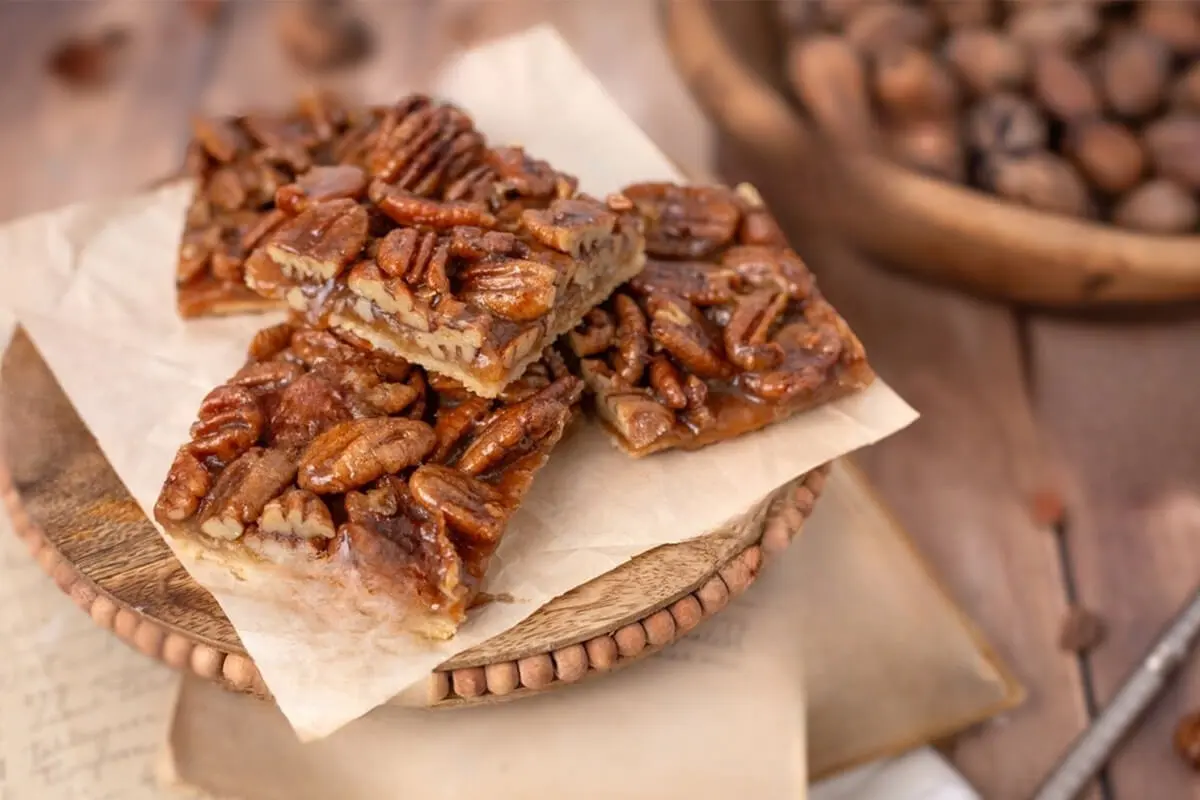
pixel 1015 404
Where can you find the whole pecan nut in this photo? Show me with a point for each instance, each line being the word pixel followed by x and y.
pixel 352 454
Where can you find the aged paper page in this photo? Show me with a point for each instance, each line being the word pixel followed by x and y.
pixel 81 715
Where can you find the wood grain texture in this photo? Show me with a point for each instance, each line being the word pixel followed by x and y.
pixel 1121 402
pixel 930 228
pixel 102 549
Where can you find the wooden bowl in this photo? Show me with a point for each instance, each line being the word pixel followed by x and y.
pixel 731 56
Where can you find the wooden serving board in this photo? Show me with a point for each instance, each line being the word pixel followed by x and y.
pixel 89 534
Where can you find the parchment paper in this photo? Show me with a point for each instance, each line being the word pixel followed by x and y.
pixel 95 293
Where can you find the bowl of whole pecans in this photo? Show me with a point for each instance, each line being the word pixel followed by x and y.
pixel 1041 151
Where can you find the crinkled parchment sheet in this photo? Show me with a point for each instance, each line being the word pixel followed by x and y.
pixel 93 286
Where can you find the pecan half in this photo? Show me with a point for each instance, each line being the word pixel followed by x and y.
pixel 229 423
pixel 680 330
pixel 352 454
pixel 270 342
pixel 667 384
pixel 594 334
pixel 421 146
pixel 513 288
pixel 267 377
pixel 700 283
pixel 633 339
pixel 297 513
pixel 322 241
pixel 186 485
pixel 520 174
pixel 517 429
pixel 770 267
pixel 698 415
pixel 408 208
pixel 475 243
pixel 408 253
pixel 748 328
pixel 685 221
pixel 243 489
pixel 809 352
pixel 637 417
pixel 472 508
pixel 570 226
pixel 313 347
pixel 319 185
pixel 195 252
pixel 307 408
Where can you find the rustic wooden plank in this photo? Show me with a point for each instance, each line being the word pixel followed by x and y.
pixel 58 144
pixel 1120 400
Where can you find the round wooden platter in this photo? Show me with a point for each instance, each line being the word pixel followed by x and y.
pixel 88 533
pixel 731 54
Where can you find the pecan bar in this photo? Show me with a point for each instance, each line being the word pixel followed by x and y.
pixel 723 333
pixel 320 461
pixel 238 164
pixel 465 259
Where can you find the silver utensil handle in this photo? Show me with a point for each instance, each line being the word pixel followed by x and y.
pixel 1092 750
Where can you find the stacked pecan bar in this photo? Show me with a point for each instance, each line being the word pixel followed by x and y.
pixel 466 259
pixel 326 462
pixel 239 164
pixel 380 441
pixel 723 333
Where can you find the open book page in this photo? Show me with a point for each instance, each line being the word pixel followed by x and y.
pixel 81 715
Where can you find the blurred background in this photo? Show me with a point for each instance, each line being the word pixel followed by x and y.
pixel 1000 196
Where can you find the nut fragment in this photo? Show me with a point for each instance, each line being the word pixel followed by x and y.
pixel 322 241
pixel 243 489
pixel 352 454
pixel 472 508
pixel 297 513
pixel 637 417
pixel 593 335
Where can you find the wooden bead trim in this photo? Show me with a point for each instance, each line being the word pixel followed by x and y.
pixel 502 680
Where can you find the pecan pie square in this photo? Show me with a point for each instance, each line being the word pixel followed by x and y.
pixel 238 164
pixel 724 332
pixel 319 461
pixel 466 259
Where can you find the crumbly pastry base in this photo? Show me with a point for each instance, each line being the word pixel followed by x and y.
pixel 441 351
